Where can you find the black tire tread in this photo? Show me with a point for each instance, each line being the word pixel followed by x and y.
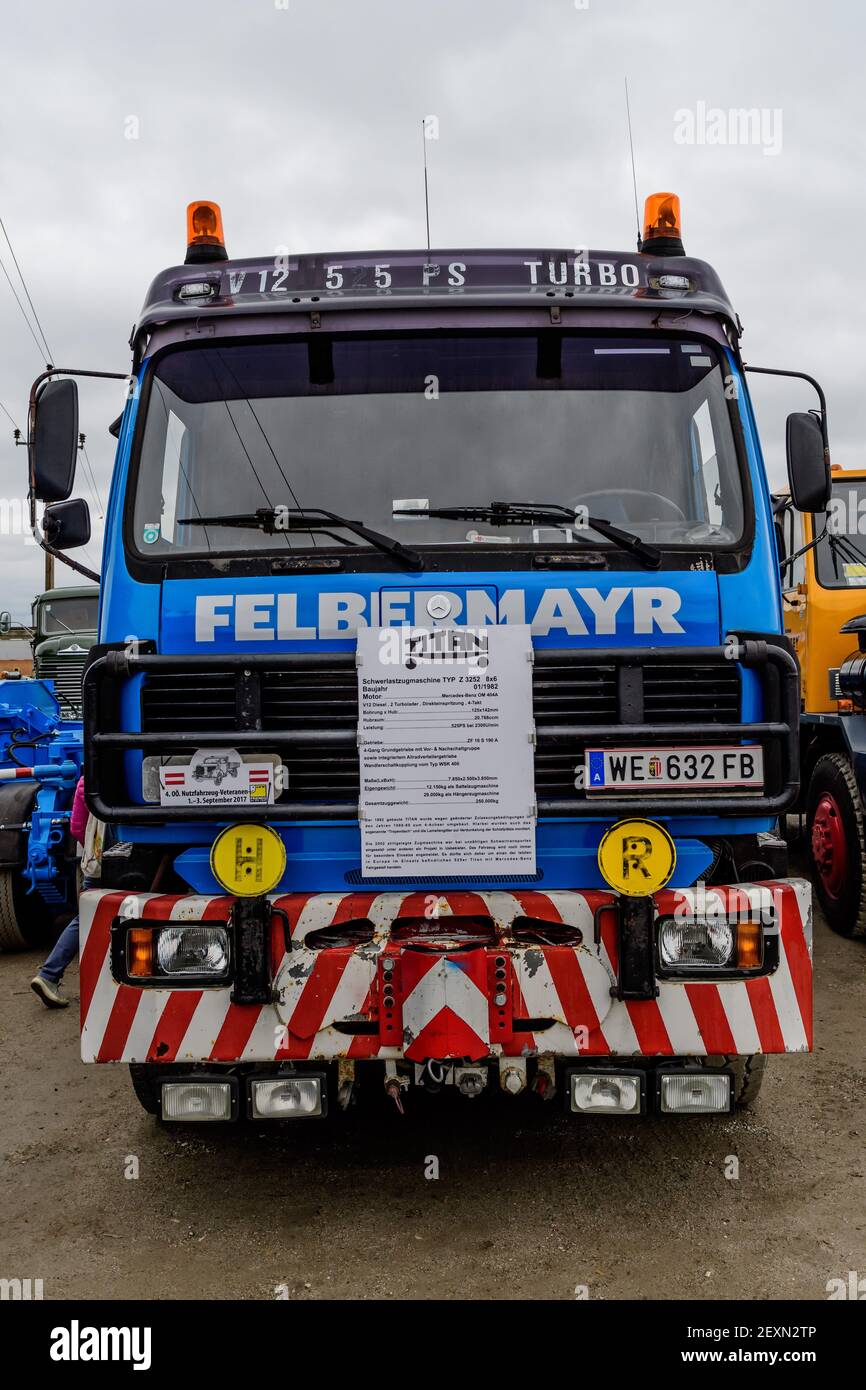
pixel 748 1074
pixel 837 763
pixel 12 937
pixel 146 1089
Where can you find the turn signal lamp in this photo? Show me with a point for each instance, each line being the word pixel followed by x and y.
pixel 662 225
pixel 140 952
pixel 750 944
pixel 204 233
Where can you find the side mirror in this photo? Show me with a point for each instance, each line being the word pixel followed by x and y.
pixel 54 440
pixel 66 525
pixel 5 623
pixel 808 463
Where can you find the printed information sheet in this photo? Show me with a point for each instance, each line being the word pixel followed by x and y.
pixel 446 751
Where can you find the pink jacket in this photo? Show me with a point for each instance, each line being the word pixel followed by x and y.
pixel 80 813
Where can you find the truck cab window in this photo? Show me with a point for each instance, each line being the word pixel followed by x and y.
pixel 637 434
pixel 709 465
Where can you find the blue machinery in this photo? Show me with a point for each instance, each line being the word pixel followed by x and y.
pixel 40 763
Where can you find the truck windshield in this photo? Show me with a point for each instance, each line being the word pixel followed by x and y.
pixel 60 615
pixel 839 567
pixel 633 430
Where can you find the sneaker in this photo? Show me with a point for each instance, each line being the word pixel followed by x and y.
pixel 48 993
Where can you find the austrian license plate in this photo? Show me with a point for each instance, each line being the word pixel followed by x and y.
pixel 626 769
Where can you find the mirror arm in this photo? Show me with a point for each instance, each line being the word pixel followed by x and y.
pixel 49 372
pixel 816 385
pixel 816 540
pixel 73 564
pixel 31 416
pixel 59 554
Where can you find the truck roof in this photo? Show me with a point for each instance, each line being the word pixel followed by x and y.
pixel 417 279
pixel 838 474
pixel 72 591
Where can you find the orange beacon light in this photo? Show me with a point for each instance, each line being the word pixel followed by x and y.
pixel 204 233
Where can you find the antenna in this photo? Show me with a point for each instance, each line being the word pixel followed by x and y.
pixel 426 189
pixel 633 174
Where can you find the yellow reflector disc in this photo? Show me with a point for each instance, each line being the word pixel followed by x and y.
pixel 248 859
pixel 636 857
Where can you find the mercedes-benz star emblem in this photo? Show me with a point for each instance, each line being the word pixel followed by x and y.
pixel 439 606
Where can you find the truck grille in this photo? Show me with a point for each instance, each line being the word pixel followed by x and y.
pixel 178 701
pixel 324 695
pixel 66 673
pixel 705 693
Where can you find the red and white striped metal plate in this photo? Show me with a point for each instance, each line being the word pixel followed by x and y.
pixel 333 1002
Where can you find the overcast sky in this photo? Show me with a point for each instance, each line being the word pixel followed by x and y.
pixel 302 118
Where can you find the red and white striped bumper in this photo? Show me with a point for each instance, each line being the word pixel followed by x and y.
pixel 447 1003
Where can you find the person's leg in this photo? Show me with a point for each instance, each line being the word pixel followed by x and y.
pixel 64 951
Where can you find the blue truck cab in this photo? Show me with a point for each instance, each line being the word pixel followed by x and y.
pixel 320 446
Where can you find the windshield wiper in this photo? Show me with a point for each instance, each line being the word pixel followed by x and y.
pixel 842 544
pixel 543 514
pixel 277 520
pixel 65 626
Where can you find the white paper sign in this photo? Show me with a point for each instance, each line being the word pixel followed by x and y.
pixel 446 751
pixel 217 777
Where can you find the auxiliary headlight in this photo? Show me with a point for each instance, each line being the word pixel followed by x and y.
pixel 193 950
pixel 605 1094
pixel 693 1093
pixel 287 1098
pixel 690 942
pixel 197 1100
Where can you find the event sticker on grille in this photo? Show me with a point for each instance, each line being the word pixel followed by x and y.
pixel 217 777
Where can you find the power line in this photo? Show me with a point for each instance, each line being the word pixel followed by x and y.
pixel 90 473
pixel 39 346
pixel 633 172
pixel 426 187
pixel 26 290
pixel 100 506
pixel 9 417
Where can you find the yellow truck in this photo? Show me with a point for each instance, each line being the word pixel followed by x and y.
pixel 823 562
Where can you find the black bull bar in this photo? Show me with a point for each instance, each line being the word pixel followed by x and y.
pixel 106 741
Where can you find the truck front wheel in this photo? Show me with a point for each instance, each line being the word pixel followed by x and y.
pixel 26 924
pixel 145 1086
pixel 837 844
pixel 747 1072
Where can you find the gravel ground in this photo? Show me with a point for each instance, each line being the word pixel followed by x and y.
pixel 529 1202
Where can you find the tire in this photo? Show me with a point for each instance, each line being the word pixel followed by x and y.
pixel 748 1075
pixel 25 921
pixel 837 844
pixel 145 1087
pixel 748 1078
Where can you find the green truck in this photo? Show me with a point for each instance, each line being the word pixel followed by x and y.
pixel 64 630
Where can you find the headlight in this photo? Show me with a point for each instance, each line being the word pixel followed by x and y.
pixel 193 950
pixel 189 955
pixel 696 943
